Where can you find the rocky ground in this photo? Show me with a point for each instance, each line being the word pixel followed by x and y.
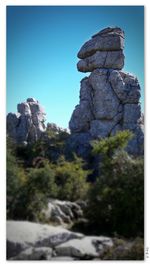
pixel 54 241
pixel 34 241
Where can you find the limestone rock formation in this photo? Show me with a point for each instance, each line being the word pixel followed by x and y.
pixel 63 212
pixel 28 124
pixel 109 97
pixel 34 241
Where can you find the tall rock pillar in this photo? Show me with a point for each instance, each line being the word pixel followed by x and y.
pixel 109 97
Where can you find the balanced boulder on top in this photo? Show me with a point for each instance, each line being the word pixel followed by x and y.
pixel 109 97
pixel 104 50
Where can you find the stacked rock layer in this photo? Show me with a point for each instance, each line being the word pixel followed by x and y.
pixel 109 97
pixel 28 124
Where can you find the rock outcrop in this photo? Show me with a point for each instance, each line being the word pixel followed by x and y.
pixel 63 212
pixel 109 97
pixel 33 241
pixel 28 124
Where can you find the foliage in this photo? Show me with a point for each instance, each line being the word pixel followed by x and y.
pixel 116 200
pixel 51 146
pixel 28 189
pixel 108 146
pixel 55 132
pixel 39 186
pixel 125 250
pixel 15 178
pixel 71 178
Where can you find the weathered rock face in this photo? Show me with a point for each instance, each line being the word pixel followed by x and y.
pixel 63 212
pixel 109 39
pixel 109 97
pixel 102 59
pixel 28 124
pixel 34 241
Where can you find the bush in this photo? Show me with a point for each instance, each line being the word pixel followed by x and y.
pixel 39 187
pixel 42 180
pixel 15 179
pixel 71 179
pixel 125 250
pixel 116 200
pixel 28 189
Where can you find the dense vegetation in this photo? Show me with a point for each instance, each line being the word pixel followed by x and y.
pixel 115 200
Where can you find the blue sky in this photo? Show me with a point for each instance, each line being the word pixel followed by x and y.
pixel 42 46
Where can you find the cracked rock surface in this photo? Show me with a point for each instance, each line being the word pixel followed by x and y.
pixel 28 124
pixel 33 241
pixel 109 97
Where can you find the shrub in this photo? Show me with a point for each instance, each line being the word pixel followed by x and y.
pixel 39 186
pixel 125 250
pixel 71 179
pixel 116 200
pixel 15 179
pixel 42 180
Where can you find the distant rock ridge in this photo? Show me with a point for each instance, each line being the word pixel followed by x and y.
pixel 109 97
pixel 26 126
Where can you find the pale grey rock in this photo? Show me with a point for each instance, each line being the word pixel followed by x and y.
pixel 109 40
pixel 36 108
pixel 63 258
pixel 132 88
pixel 22 132
pixel 101 128
pixel 133 121
pixel 57 212
pixel 110 31
pixel 66 209
pixel 81 117
pixel 102 59
pixel 86 91
pixel 12 123
pixel 117 128
pixel 38 118
pixel 118 118
pixel 105 101
pixel 132 113
pixel 87 246
pixel 80 144
pixel 47 212
pixel 118 84
pixel 136 144
pixel 31 99
pixel 110 94
pixel 126 86
pixel 28 124
pixel 141 121
pixel 23 234
pixel 24 108
pixel 57 220
pixel 41 253
pixel 33 241
pixel 62 212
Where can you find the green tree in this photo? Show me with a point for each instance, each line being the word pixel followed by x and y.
pixel 15 178
pixel 116 200
pixel 39 186
pixel 71 179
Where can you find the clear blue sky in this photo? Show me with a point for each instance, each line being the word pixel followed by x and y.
pixel 42 46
